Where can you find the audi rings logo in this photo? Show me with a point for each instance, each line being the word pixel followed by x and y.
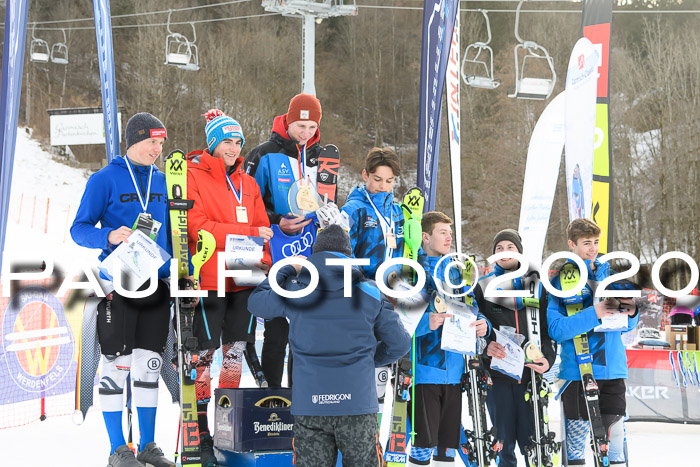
pixel 298 246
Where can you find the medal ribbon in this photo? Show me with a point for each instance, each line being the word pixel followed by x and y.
pixel 387 224
pixel 138 191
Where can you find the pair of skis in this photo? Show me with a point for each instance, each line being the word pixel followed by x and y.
pixel 687 367
pixel 569 276
pixel 543 450
pixel 187 348
pixel 479 446
pixel 396 453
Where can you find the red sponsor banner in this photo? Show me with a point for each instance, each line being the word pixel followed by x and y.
pixel 158 133
pixel 599 35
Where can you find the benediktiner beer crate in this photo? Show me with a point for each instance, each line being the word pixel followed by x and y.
pixel 253 419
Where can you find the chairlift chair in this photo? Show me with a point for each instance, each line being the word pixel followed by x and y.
pixel 59 51
pixel 537 88
pixel 180 51
pixel 38 49
pixel 475 80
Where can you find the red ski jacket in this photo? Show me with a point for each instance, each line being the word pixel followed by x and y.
pixel 214 209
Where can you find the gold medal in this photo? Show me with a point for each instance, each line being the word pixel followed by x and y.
pixel 439 304
pixel 305 199
pixel 242 214
pixel 532 353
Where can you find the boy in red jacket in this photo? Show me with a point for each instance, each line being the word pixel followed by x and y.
pixel 226 201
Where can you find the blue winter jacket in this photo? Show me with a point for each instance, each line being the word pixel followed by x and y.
pixel 366 233
pixel 337 342
pixel 434 365
pixel 609 355
pixel 110 199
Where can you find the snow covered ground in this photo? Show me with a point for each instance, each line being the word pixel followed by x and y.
pixel 58 442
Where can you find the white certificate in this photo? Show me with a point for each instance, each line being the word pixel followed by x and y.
pixel 514 362
pixel 411 309
pixel 137 258
pixel 616 322
pixel 244 252
pixel 458 335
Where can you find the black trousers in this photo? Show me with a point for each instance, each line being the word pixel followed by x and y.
pixel 273 351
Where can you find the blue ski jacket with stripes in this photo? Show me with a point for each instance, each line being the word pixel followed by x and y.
pixel 609 355
pixel 366 235
pixel 110 199
pixel 337 341
pixel 434 365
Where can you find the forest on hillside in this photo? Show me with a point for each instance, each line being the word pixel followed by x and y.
pixel 367 77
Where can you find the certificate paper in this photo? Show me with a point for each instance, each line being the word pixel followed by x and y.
pixel 137 257
pixel 411 309
pixel 514 362
pixel 244 252
pixel 457 333
pixel 616 322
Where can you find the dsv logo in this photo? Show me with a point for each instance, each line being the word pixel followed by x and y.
pixel 298 246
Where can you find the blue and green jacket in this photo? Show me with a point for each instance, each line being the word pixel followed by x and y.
pixel 366 233
pixel 607 349
pixel 434 365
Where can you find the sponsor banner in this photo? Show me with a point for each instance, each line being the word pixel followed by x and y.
pixel 105 54
pixel 596 25
pixel 37 347
pixel 581 83
pixel 438 23
pixel 12 64
pixel 541 173
pixel 655 394
pixel 452 83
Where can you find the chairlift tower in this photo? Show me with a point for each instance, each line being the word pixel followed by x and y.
pixel 311 12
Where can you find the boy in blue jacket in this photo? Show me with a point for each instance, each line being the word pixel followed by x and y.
pixel 376 230
pixel 337 342
pixel 131 331
pixel 607 350
pixel 437 417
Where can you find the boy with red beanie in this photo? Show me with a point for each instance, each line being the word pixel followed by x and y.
pixel 290 154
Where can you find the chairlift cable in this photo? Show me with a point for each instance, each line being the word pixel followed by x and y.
pixel 146 13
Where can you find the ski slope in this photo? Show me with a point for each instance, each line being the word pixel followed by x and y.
pixel 58 442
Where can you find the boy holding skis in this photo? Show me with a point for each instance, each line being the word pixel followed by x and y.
pixel 607 352
pixel 290 154
pixel 226 201
pixel 438 404
pixel 510 411
pixel 132 331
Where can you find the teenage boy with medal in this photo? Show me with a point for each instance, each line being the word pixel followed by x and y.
pixel 376 223
pixel 130 191
pixel 226 201
pixel 288 160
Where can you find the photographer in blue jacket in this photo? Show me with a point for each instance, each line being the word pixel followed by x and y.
pixel 337 342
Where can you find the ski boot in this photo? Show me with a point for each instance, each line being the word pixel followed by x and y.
pixel 123 457
pixel 152 456
pixel 206 448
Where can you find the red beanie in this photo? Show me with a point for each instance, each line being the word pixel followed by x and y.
pixel 304 107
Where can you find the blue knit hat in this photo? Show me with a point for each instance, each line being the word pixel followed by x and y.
pixel 219 127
